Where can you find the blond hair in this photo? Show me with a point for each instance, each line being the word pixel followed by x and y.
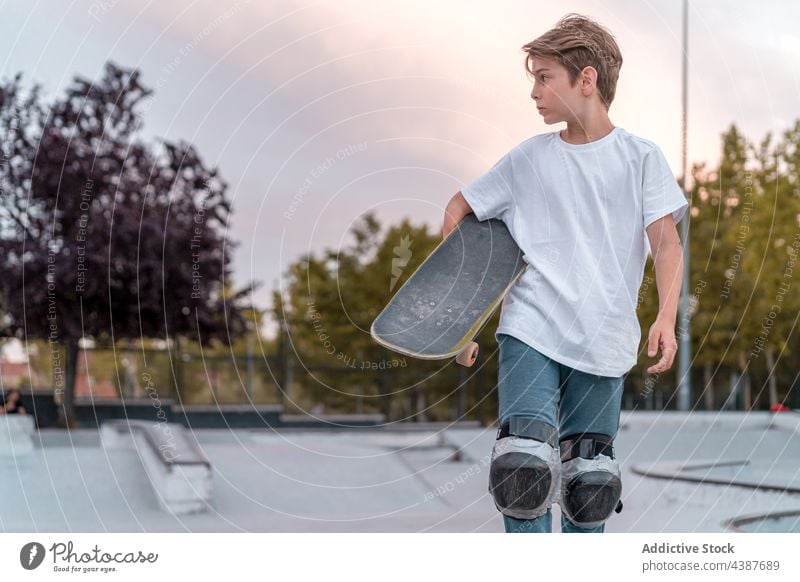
pixel 577 42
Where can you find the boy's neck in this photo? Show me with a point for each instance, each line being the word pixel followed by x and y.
pixel 587 130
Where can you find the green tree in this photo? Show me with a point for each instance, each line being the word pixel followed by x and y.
pixel 330 303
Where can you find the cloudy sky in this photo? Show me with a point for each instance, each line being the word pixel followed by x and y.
pixel 319 111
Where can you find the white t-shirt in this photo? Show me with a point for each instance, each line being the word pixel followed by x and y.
pixel 579 214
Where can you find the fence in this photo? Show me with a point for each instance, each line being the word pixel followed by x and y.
pixel 415 390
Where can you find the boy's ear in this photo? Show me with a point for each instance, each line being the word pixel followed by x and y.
pixel 588 80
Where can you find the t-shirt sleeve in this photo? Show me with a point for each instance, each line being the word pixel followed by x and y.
pixel 661 194
pixel 491 195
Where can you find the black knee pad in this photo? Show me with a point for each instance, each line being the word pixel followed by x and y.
pixel 592 483
pixel 524 473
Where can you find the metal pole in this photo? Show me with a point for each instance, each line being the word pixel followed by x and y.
pixel 360 388
pixel 250 362
pixel 685 347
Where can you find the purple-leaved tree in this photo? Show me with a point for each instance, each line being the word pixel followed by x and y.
pixel 104 235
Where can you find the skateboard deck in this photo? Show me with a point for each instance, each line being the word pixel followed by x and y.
pixel 447 300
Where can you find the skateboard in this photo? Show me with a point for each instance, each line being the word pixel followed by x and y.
pixel 440 309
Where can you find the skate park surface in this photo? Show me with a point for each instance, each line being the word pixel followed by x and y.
pixel 682 472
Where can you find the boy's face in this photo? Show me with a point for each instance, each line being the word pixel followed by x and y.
pixel 555 98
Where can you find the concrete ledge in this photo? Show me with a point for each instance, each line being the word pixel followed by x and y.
pixel 331 420
pixel 735 471
pixel 230 407
pixel 93 413
pixel 227 416
pixel 435 425
pixel 728 472
pixel 705 419
pixel 177 468
pixel 740 524
pixel 16 434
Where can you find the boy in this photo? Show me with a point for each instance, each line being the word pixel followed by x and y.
pixel 582 204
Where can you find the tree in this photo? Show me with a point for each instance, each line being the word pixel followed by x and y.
pixel 744 226
pixel 328 308
pixel 106 236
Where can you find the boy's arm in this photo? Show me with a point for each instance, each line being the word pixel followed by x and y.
pixel 456 210
pixel 667 253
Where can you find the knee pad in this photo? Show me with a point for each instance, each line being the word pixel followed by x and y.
pixel 524 475
pixel 592 484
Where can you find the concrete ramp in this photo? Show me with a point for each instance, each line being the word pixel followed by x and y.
pixel 178 469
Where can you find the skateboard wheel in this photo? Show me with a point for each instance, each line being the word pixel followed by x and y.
pixel 468 355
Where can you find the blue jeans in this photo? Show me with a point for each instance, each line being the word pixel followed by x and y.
pixel 533 385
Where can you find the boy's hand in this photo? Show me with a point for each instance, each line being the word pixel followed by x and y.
pixel 662 335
